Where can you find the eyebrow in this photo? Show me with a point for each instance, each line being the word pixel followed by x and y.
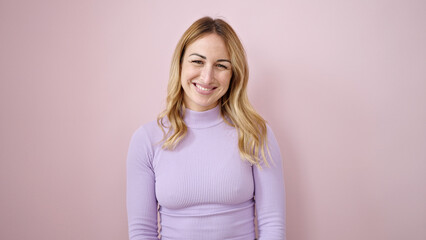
pixel 204 57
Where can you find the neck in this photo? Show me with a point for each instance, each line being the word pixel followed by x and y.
pixel 205 119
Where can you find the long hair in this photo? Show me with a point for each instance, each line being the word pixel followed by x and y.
pixel 251 127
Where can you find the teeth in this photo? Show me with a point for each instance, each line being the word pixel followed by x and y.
pixel 204 89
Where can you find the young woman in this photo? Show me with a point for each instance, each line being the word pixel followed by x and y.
pixel 209 160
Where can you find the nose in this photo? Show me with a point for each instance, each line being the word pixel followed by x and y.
pixel 207 75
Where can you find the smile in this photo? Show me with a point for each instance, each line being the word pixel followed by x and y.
pixel 203 90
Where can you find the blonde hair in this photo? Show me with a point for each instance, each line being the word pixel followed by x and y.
pixel 251 127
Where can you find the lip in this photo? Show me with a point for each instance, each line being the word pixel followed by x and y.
pixel 203 92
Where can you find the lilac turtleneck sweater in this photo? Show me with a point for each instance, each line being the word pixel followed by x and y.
pixel 203 188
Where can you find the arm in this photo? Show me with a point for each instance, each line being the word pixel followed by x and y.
pixel 270 194
pixel 141 200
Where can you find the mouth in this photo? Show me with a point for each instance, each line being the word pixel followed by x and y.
pixel 203 90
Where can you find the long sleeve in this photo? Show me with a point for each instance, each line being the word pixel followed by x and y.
pixel 141 200
pixel 270 194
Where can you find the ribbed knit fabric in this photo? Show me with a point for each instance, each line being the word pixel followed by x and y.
pixel 203 187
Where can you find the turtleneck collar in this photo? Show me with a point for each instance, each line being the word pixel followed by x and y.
pixel 205 119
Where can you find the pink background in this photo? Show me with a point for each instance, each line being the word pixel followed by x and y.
pixel 342 83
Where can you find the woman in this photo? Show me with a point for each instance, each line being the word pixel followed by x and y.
pixel 209 159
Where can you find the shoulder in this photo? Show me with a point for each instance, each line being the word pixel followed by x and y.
pixel 273 144
pixel 143 145
pixel 269 132
pixel 146 135
pixel 148 132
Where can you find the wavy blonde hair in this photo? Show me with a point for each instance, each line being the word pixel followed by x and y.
pixel 236 109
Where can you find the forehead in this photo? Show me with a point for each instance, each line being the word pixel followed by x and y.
pixel 210 45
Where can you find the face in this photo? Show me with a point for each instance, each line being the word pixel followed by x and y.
pixel 206 72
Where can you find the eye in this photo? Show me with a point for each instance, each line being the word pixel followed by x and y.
pixel 199 62
pixel 222 66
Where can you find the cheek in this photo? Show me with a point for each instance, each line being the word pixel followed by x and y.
pixel 188 73
pixel 225 80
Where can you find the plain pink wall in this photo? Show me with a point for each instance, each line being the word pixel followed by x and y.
pixel 342 83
